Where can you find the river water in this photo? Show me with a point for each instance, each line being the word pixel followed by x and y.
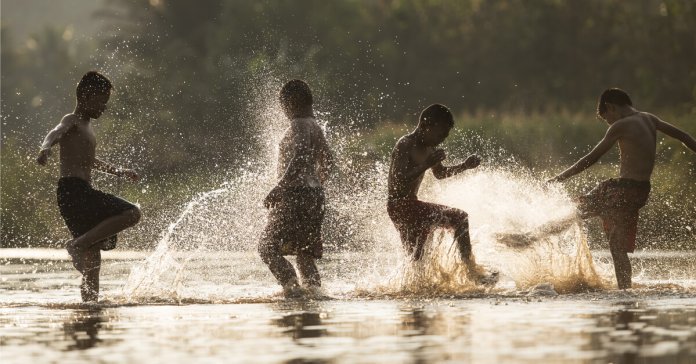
pixel 235 313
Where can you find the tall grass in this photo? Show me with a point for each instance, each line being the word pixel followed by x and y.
pixel 540 144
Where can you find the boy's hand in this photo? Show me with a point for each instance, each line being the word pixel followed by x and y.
pixel 436 157
pixel 554 180
pixel 42 159
pixel 129 174
pixel 273 198
pixel 472 162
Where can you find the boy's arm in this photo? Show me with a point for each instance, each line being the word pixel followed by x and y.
pixel 401 166
pixel 440 171
pixel 592 157
pixel 326 160
pixel 54 136
pixel 675 133
pixel 109 168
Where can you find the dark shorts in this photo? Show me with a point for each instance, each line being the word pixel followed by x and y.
pixel 415 220
pixel 294 226
pixel 617 202
pixel 83 207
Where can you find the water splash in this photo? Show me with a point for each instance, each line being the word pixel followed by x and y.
pixel 229 219
pixel 499 201
pixel 220 228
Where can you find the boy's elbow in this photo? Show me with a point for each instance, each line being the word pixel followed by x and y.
pixel 686 138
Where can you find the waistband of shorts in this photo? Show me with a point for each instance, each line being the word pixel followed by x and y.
pixel 396 201
pixel 72 181
pixel 628 182
pixel 303 188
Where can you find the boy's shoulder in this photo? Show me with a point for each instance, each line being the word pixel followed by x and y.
pixel 70 120
pixel 406 141
pixel 628 122
pixel 404 144
pixel 70 117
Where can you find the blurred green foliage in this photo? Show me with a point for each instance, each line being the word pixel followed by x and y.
pixel 192 79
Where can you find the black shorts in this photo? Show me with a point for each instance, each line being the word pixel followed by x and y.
pixel 617 202
pixel 83 207
pixel 415 220
pixel 294 226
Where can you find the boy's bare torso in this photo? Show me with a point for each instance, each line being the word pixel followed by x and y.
pixel 306 139
pixel 406 155
pixel 77 149
pixel 637 144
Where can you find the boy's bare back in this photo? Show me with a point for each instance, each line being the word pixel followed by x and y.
pixel 304 146
pixel 636 135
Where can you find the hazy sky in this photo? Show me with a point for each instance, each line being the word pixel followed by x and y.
pixel 24 17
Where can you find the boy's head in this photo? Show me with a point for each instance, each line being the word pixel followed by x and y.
pixel 610 104
pixel 296 99
pixel 93 93
pixel 435 123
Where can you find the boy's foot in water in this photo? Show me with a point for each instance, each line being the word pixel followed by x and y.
pixel 516 240
pixel 315 292
pixel 293 290
pixel 489 279
pixel 479 275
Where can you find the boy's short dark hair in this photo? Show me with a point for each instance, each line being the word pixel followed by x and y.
pixel 614 96
pixel 296 95
pixel 436 114
pixel 93 83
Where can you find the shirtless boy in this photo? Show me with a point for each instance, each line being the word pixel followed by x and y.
pixel 617 201
pixel 296 203
pixel 415 220
pixel 93 217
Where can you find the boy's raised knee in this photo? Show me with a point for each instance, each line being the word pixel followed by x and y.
pixel 460 217
pixel 463 222
pixel 133 215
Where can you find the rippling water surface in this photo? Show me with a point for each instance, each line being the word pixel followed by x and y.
pixel 246 320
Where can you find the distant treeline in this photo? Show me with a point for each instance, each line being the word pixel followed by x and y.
pixel 194 79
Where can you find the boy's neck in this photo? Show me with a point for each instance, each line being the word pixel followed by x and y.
pixel 80 113
pixel 418 136
pixel 627 111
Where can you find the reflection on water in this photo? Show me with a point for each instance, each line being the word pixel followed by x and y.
pixel 82 329
pixel 247 321
pixel 303 324
pixel 634 333
pixel 648 330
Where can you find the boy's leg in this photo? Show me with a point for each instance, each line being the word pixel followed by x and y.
pixel 414 220
pixel 459 221
pixel 461 235
pixel 91 263
pixel 617 247
pixel 109 227
pixel 280 267
pixel 309 273
pixel 413 242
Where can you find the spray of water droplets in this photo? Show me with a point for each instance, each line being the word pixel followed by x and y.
pixel 210 250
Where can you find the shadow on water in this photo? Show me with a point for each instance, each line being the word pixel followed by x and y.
pixel 82 329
